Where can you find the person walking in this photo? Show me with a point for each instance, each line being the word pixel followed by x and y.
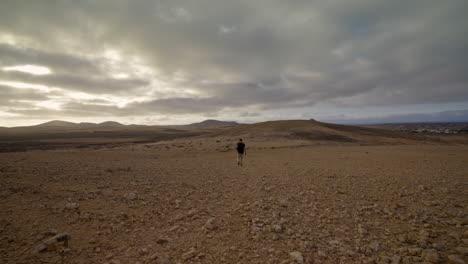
pixel 241 151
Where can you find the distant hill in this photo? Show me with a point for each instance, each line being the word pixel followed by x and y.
pixel 65 125
pixel 214 123
pixel 59 124
pixel 317 132
pixel 56 123
pixel 111 124
pixel 87 125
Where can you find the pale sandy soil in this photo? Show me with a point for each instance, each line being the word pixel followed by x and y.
pixel 188 202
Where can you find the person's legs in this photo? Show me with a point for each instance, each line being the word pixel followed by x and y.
pixel 240 159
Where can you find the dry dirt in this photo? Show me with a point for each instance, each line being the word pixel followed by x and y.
pixel 187 201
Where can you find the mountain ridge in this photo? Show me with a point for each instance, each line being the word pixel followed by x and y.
pixel 61 124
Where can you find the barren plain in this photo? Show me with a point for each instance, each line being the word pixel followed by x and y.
pixel 309 193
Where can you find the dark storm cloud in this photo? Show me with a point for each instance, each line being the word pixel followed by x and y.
pixel 236 54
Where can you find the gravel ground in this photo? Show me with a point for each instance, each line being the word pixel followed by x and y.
pixel 181 203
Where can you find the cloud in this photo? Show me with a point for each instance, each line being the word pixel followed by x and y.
pixel 209 57
pixel 10 96
pixel 11 55
pixel 89 84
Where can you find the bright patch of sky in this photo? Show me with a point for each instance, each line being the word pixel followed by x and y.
pixel 32 69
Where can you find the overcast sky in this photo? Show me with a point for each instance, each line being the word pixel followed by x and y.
pixel 175 62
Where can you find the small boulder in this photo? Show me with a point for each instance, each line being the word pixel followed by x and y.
pixel 297 257
pixel 211 224
pixel 72 206
pixel 131 196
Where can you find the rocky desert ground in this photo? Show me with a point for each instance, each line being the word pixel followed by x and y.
pixel 316 193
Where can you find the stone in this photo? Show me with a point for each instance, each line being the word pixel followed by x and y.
pixel 424 235
pixel 277 228
pixel 131 196
pixel 455 259
pixel 189 254
pixel 438 246
pixel 51 231
pixel 144 251
pixel 211 224
pixel 72 206
pixel 297 257
pixel 162 260
pixel 462 250
pixel 192 212
pixel 255 228
pixel 51 243
pixel 162 241
pixel 283 202
pixel 362 230
pixel 385 260
pixel 414 251
pixel 374 245
pixel 431 256
pixel 421 188
pixel 395 259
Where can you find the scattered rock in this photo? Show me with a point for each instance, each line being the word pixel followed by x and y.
pixel 283 202
pixel 374 245
pixel 297 257
pixel 162 241
pixel 131 196
pixel 362 230
pixel 211 224
pixel 277 228
pixel 438 246
pixel 395 259
pixel 462 250
pixel 50 244
pixel 192 212
pixel 431 256
pixel 162 260
pixel 72 206
pixel 144 251
pixel 189 254
pixel 415 251
pixel 51 232
pixel 455 259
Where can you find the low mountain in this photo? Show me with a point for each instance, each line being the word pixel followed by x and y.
pixel 88 125
pixel 214 123
pixel 110 124
pixel 58 123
